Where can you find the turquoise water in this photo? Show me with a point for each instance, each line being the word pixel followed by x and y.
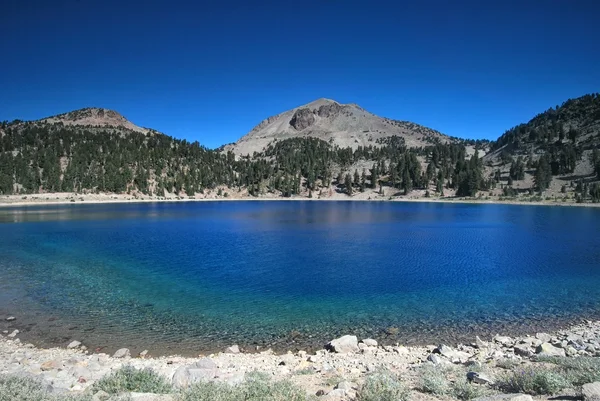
pixel 195 277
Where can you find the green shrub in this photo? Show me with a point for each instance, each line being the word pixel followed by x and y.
pixel 19 388
pixel 433 380
pixel 533 380
pixel 463 390
pixel 578 371
pixel 131 379
pixel 382 386
pixel 255 388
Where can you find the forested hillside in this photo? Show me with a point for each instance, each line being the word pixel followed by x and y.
pixel 555 153
pixel 558 146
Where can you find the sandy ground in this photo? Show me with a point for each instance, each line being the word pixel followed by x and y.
pixel 390 194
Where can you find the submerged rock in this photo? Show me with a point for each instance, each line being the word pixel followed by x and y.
pixel 73 344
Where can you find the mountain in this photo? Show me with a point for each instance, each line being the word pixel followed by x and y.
pixel 325 148
pixel 344 125
pixel 93 117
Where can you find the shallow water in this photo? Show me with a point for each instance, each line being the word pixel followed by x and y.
pixel 196 277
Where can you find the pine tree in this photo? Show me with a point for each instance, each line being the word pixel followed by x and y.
pixel 348 184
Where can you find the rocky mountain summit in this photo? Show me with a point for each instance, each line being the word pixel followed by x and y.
pixel 93 117
pixel 345 125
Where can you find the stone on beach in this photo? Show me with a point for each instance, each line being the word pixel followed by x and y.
pixel 73 344
pixel 122 353
pixel 370 342
pixel 344 344
pixel 203 370
pixel 11 319
pixel 13 334
pixel 234 349
pixel 591 391
pixel 547 349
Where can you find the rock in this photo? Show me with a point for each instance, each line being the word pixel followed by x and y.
pixel 347 386
pixel 287 360
pixel 370 342
pixel 522 350
pixel 506 397
pixel 302 118
pixel 150 397
pixel 143 353
pixel 13 334
pixel 437 360
pixel 50 365
pixel 479 378
pixel 11 319
pixel 234 349
pixel 451 354
pixel 73 344
pixel 320 393
pixel 547 349
pixel 591 391
pixel 504 340
pixel 479 343
pixel 543 337
pixel 203 370
pixel 101 396
pixel 337 394
pixel 343 345
pixel 122 353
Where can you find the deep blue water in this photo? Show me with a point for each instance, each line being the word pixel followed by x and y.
pixel 199 276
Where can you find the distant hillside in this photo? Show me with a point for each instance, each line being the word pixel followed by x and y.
pixel 556 151
pixel 313 150
pixel 344 125
pixel 93 117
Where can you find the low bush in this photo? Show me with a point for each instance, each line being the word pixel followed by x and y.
pixel 255 388
pixel 534 380
pixel 13 388
pixel 130 379
pixel 383 386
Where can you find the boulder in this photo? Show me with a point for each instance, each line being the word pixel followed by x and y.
pixel 347 386
pixel 13 334
pixel 452 354
pixel 437 360
pixel 369 342
pixel 234 349
pixel 504 340
pixel 203 370
pixel 101 396
pixel 73 344
pixel 547 349
pixel 591 391
pixel 336 395
pixel 543 337
pixel 122 353
pixel 11 319
pixel 479 378
pixel 343 345
pixel 522 350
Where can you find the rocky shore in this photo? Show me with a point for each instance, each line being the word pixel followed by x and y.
pixel 336 372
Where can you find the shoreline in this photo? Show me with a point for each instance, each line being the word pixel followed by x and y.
pixel 8 201
pixel 75 369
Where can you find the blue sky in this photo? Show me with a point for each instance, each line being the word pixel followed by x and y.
pixel 211 70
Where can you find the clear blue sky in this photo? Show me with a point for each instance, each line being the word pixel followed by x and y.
pixel 211 70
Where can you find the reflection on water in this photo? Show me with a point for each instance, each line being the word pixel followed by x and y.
pixel 193 276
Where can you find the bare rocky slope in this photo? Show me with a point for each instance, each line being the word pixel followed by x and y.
pixel 94 117
pixel 345 125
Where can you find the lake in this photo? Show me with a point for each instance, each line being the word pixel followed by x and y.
pixel 200 276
